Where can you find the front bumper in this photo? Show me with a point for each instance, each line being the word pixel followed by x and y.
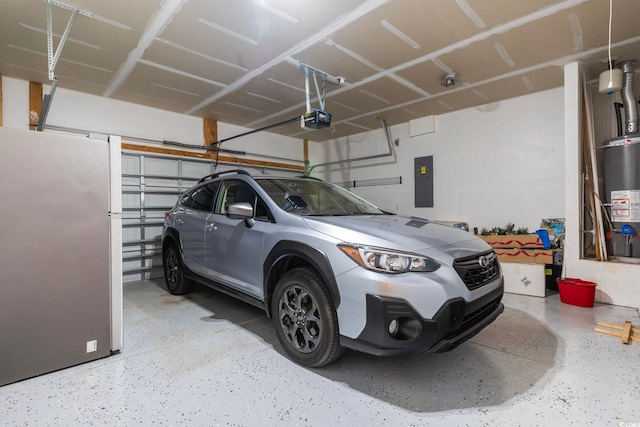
pixel 455 322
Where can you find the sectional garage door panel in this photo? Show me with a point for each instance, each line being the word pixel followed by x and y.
pixel 151 185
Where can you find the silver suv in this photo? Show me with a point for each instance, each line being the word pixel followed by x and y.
pixel 331 270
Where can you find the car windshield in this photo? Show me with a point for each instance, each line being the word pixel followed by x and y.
pixel 313 197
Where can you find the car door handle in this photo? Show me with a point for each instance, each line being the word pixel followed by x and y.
pixel 212 227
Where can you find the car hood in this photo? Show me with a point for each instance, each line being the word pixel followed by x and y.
pixel 400 233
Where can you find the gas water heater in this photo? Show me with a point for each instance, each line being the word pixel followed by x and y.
pixel 621 167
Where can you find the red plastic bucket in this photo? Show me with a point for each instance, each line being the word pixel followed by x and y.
pixel 577 291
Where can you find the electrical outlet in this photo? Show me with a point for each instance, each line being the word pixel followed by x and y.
pixel 92 346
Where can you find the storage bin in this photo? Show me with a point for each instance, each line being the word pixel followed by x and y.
pixel 577 291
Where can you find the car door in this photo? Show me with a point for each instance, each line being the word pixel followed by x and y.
pixel 191 223
pixel 234 250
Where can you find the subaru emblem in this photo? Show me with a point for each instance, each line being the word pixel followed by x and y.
pixel 483 261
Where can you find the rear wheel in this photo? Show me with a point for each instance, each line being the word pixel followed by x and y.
pixel 177 284
pixel 305 319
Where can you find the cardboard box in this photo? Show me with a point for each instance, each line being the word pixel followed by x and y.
pixel 523 241
pixel 524 279
pixel 526 256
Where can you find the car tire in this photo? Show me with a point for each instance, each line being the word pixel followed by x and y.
pixel 305 320
pixel 177 283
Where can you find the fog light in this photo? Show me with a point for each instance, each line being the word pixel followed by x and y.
pixel 393 327
pixel 405 328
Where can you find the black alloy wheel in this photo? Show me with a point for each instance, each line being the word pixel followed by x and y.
pixel 177 284
pixel 305 319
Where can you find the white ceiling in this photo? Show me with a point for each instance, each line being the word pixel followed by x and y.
pixel 237 61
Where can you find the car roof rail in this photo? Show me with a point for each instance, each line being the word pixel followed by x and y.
pixel 217 174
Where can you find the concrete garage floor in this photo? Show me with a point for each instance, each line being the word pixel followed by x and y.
pixel 208 360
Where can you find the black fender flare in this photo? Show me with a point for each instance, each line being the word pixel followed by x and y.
pixel 171 234
pixel 317 259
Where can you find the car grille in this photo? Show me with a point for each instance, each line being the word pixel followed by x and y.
pixel 477 270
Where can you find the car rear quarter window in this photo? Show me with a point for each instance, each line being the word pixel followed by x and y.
pixel 186 200
pixel 202 197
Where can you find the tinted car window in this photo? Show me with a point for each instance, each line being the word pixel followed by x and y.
pixel 261 212
pixel 238 191
pixel 186 200
pixel 203 197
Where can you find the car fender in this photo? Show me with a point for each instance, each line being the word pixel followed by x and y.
pixel 171 234
pixel 317 259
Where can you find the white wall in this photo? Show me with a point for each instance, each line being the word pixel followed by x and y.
pixel 500 163
pixel 71 109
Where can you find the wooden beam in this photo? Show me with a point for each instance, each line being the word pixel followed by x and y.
pixel 0 100
pixel 210 130
pixel 208 156
pixel 35 104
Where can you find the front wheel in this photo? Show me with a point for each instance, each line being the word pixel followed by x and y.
pixel 177 284
pixel 305 320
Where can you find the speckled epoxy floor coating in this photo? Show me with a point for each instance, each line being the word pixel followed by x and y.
pixel 208 360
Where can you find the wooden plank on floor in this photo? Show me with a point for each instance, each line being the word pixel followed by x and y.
pixel 626 332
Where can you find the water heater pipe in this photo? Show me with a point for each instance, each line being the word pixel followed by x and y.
pixel 618 106
pixel 628 98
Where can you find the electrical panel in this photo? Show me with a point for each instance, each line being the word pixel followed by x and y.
pixel 423 173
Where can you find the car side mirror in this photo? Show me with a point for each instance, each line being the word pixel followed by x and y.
pixel 241 210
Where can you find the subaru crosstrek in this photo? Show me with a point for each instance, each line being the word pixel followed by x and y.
pixel 331 270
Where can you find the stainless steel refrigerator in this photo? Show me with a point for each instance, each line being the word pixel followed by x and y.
pixel 60 251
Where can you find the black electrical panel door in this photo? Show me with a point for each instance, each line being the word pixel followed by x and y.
pixel 423 172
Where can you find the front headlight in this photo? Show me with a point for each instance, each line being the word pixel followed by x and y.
pixel 386 260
